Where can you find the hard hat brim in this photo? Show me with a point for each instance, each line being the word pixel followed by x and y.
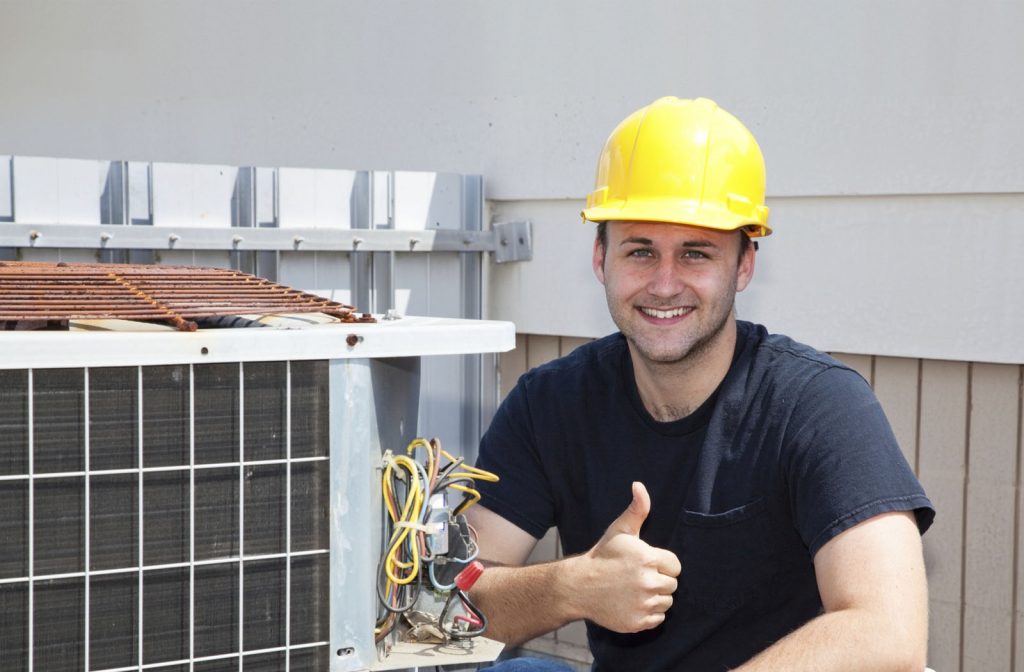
pixel 681 212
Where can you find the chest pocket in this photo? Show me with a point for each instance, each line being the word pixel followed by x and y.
pixel 728 558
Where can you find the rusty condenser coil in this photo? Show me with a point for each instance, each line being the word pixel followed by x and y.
pixel 48 295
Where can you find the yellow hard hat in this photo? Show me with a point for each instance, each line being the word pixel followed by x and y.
pixel 683 162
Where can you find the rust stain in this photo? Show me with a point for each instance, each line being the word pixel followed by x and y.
pixel 54 293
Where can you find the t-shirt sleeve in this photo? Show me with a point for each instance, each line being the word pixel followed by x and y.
pixel 509 449
pixel 844 464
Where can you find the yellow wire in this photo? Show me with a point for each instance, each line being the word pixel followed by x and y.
pixel 432 460
pixel 469 491
pixel 411 512
pixel 471 471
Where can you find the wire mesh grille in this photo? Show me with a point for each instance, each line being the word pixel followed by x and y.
pixel 49 294
pixel 165 517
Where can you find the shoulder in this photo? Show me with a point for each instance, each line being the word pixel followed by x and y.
pixel 786 351
pixel 777 359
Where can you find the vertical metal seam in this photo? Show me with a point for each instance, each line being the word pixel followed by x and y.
pixel 963 519
pixel 14 214
pixel 241 512
pixel 471 285
pixel 31 515
pixel 1016 518
pixel 275 205
pixel 192 517
pixel 141 511
pixel 391 199
pixel 150 188
pixel 392 302
pixel 87 509
pixel 126 217
pixel 253 215
pixel 288 516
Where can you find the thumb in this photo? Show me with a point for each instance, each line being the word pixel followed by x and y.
pixel 632 519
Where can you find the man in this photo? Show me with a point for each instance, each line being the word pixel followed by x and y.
pixel 726 498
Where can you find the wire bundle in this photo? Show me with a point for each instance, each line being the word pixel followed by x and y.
pixel 411 491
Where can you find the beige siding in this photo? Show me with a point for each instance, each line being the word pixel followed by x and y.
pixel 990 515
pixel 862 364
pixel 960 426
pixel 897 383
pixel 1018 604
pixel 943 472
pixel 512 364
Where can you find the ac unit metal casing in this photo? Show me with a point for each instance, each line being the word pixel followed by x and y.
pixel 74 599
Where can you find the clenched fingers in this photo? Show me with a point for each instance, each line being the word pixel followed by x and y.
pixel 666 562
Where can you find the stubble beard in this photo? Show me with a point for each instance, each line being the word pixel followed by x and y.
pixel 702 342
pixel 685 352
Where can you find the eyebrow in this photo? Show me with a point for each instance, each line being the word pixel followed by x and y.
pixel 638 240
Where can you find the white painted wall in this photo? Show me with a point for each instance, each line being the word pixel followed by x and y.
pixel 890 129
pixel 934 276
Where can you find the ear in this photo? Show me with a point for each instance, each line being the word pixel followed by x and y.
pixel 745 271
pixel 598 260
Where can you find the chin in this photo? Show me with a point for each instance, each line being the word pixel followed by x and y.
pixel 660 355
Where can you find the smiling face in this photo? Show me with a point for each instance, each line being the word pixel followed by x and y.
pixel 671 288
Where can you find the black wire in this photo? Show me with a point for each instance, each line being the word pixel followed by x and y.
pixel 451 630
pixel 469 604
pixel 450 467
pixel 445 482
pixel 466 497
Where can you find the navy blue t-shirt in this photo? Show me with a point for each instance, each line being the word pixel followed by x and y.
pixel 790 450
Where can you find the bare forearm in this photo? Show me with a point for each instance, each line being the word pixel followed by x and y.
pixel 524 602
pixel 849 640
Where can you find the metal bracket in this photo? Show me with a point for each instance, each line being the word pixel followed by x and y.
pixel 509 241
pixel 514 241
pixel 233 238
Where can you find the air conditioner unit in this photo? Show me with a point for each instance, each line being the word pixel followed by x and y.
pixel 208 500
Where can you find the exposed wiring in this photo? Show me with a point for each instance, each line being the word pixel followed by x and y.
pixel 409 555
pixel 475 620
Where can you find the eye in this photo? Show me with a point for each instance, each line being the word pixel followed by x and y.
pixel 642 252
pixel 694 254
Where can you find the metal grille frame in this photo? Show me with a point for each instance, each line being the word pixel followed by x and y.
pixel 36 583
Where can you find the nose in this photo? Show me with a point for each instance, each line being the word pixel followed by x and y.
pixel 665 280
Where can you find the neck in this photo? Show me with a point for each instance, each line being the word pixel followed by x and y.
pixel 673 390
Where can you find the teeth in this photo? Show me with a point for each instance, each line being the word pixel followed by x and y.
pixel 663 314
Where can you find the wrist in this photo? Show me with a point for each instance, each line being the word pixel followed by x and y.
pixel 568 582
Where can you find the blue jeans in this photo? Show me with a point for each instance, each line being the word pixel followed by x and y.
pixel 527 665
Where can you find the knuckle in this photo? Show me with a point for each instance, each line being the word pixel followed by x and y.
pixel 653 621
